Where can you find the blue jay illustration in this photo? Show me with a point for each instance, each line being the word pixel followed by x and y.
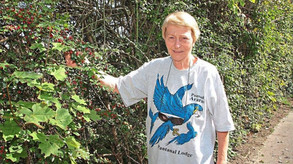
pixel 171 104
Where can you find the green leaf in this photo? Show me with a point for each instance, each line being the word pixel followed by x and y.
pixel 49 1
pixel 77 99
pixel 3 65
pixel 49 148
pixel 82 109
pixel 72 143
pixel 24 110
pixel 16 151
pixel 41 137
pixel 11 157
pixel 49 144
pixel 26 75
pixel 47 96
pixel 25 104
pixel 77 151
pixel 256 127
pixel 80 153
pixel 8 18
pixel 48 87
pixel 55 139
pixel 9 129
pixel 62 119
pixel 59 74
pixel 39 114
pixel 93 115
pixel 271 93
pixel 38 46
pixel 86 118
pixel 31 83
pixel 60 47
pixel 43 24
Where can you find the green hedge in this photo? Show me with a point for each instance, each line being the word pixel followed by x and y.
pixel 50 113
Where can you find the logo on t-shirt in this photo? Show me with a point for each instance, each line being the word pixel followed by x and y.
pixel 172 112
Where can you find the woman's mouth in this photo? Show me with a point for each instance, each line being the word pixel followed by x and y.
pixel 176 51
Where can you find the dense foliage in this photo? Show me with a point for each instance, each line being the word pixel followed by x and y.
pixel 51 113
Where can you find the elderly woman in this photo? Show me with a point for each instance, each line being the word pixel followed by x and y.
pixel 187 104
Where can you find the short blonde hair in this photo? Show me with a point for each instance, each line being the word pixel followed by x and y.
pixel 181 18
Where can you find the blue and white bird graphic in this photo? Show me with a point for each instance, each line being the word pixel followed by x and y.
pixel 171 104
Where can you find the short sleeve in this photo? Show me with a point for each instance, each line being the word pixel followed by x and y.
pixel 217 102
pixel 133 87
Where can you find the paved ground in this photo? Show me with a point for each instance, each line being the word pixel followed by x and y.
pixel 273 144
pixel 278 148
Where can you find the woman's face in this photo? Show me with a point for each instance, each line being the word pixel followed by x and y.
pixel 179 42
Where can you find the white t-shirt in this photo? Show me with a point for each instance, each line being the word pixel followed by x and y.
pixel 179 129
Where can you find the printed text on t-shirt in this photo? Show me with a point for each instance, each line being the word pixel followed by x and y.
pixel 178 152
pixel 197 98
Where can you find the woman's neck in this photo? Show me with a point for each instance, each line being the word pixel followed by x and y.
pixel 185 64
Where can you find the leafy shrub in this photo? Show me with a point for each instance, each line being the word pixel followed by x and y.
pixel 51 113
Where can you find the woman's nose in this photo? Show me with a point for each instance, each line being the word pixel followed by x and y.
pixel 177 43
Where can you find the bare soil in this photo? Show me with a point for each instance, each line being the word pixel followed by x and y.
pixel 265 147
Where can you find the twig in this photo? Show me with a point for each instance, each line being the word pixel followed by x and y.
pixel 4 40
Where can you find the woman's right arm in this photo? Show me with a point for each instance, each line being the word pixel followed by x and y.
pixel 104 79
pixel 108 81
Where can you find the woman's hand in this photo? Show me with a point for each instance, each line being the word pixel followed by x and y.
pixel 105 80
pixel 108 81
pixel 70 62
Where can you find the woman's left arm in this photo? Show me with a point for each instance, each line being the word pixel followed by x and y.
pixel 223 142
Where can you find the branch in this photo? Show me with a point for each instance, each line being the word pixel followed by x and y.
pixel 4 40
pixel 39 126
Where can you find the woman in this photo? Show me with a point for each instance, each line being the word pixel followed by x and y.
pixel 187 105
